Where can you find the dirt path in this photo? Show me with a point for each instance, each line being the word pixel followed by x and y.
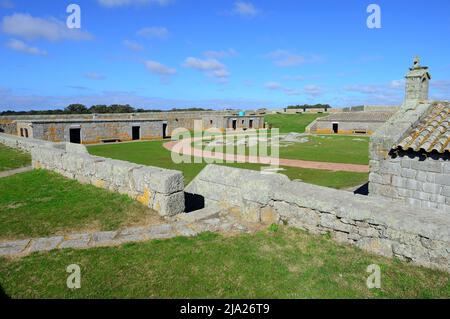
pixel 184 147
pixel 15 171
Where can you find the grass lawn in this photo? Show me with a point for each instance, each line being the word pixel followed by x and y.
pixel 319 148
pixel 40 203
pixel 11 158
pixel 283 263
pixel 292 122
pixel 154 154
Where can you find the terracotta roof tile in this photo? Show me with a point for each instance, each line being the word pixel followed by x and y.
pixel 432 133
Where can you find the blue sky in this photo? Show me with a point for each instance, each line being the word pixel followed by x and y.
pixel 217 54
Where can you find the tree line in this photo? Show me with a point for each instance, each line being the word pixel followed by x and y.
pixel 96 109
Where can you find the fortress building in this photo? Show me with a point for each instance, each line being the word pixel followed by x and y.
pixel 410 153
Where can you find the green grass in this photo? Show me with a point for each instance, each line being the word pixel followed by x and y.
pixel 277 263
pixel 154 154
pixel 11 158
pixel 287 123
pixel 319 148
pixel 40 203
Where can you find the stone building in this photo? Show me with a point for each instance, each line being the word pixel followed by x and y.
pixel 410 153
pixel 100 128
pixel 350 123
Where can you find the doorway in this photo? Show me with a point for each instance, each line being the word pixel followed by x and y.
pixel 250 124
pixel 234 124
pixel 75 135
pixel 165 130
pixel 136 133
pixel 335 128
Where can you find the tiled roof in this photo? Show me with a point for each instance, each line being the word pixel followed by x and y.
pixel 432 133
pixel 376 116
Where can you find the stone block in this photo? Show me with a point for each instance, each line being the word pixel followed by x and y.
pixel 76 241
pixel 45 244
pixel 13 247
pixel 169 205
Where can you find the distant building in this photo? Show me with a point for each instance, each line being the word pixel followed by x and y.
pixel 349 123
pixel 410 153
pixel 103 128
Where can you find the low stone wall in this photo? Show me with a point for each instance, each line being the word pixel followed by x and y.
pixel 377 225
pixel 157 188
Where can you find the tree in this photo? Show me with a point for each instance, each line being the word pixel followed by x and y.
pixel 76 109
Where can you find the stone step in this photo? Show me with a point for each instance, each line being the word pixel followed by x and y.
pixel 205 213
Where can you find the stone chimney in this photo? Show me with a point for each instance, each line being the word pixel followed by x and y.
pixel 417 83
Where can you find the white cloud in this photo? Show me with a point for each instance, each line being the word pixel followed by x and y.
pixel 94 76
pixel 164 72
pixel 154 32
pixel 31 28
pixel 210 67
pixel 122 3
pixel 220 54
pixel 21 46
pixel 245 9
pixel 283 58
pixel 132 45
pixel 311 90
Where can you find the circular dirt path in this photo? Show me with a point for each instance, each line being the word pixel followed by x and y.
pixel 184 147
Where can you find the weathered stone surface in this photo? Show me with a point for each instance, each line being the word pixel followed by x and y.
pixel 103 238
pixel 169 205
pixel 76 241
pixel 45 244
pixel 133 234
pixel 161 231
pixel 204 213
pixel 14 247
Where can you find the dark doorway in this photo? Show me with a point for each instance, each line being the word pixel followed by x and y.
pixel 250 124
pixel 165 130
pixel 234 124
pixel 21 132
pixel 75 135
pixel 26 132
pixel 335 128
pixel 136 133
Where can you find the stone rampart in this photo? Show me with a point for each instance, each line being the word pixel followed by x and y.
pixel 157 188
pixel 377 225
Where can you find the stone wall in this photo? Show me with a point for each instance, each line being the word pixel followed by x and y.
pixel 422 182
pixel 377 225
pixel 159 189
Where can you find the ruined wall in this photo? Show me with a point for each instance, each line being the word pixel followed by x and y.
pixel 157 188
pixel 374 224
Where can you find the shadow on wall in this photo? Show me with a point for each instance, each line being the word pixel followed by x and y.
pixel 193 202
